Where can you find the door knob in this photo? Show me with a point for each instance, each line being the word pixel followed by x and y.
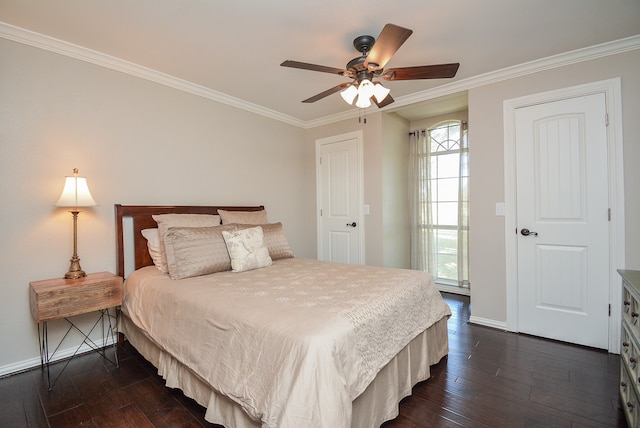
pixel 527 232
pixel 352 224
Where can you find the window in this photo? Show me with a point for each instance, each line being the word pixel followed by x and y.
pixel 440 177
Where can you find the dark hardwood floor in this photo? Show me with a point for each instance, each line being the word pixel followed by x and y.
pixel 490 379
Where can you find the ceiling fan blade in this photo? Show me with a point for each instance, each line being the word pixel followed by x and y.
pixel 387 100
pixel 438 71
pixel 328 92
pixel 389 41
pixel 312 67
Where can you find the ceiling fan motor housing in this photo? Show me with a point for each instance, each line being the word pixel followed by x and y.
pixel 364 44
pixel 357 68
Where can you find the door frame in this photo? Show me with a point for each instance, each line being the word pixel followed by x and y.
pixel 613 99
pixel 359 137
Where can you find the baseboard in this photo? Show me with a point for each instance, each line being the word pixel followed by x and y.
pixel 500 325
pixel 444 288
pixel 61 354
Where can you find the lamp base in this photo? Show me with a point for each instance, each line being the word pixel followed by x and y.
pixel 75 271
pixel 75 274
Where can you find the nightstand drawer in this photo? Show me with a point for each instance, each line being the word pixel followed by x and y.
pixel 59 298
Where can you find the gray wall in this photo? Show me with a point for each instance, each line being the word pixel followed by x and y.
pixel 137 142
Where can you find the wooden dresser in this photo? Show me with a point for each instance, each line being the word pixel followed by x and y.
pixel 630 350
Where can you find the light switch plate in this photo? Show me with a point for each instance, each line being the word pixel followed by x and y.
pixel 500 209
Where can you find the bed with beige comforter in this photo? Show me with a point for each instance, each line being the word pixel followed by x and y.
pixel 293 344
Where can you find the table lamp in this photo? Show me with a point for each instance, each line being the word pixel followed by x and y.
pixel 75 194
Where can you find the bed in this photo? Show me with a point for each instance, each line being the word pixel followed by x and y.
pixel 292 342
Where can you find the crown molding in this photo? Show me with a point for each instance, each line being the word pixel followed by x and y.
pixel 71 50
pixel 51 44
pixel 555 61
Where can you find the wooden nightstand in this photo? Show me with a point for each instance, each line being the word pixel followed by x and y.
pixel 59 298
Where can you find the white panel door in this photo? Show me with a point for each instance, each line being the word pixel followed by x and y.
pixel 340 199
pixel 562 218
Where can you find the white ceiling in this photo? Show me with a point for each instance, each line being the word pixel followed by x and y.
pixel 236 47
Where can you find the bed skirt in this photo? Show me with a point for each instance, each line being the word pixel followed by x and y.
pixel 377 404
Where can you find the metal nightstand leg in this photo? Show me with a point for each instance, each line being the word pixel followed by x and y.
pixel 108 329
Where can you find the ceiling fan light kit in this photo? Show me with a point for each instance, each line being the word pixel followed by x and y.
pixel 375 55
pixel 365 90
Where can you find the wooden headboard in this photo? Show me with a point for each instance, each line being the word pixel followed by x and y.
pixel 141 215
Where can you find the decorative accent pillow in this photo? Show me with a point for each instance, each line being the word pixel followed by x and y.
pixel 195 251
pixel 153 245
pixel 165 221
pixel 274 239
pixel 243 217
pixel 246 249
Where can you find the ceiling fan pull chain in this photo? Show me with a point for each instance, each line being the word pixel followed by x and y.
pixel 362 115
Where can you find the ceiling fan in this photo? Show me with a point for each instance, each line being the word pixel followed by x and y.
pixel 363 69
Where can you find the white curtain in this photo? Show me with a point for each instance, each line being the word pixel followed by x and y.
pixel 463 210
pixel 419 158
pixel 423 233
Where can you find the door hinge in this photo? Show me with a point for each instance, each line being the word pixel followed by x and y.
pixel 609 309
pixel 609 213
pixel 320 212
pixel 320 161
pixel 606 119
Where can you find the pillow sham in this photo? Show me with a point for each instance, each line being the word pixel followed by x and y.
pixel 246 249
pixel 165 221
pixel 274 239
pixel 196 251
pixel 153 245
pixel 243 217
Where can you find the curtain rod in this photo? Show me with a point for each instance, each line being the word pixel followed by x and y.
pixel 423 131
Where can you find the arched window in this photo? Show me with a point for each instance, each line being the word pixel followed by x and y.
pixel 440 199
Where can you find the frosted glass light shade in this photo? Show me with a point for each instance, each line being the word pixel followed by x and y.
pixel 349 94
pixel 365 90
pixel 380 92
pixel 75 193
pixel 363 102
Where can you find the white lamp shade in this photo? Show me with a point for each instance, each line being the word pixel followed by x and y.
pixel 349 94
pixel 75 193
pixel 365 90
pixel 363 102
pixel 380 92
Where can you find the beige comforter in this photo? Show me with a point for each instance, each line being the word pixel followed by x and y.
pixel 294 343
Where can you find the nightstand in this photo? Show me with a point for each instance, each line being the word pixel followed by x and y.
pixel 58 298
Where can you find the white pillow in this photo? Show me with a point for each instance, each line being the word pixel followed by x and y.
pixel 153 245
pixel 246 249
pixel 243 217
pixel 165 221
